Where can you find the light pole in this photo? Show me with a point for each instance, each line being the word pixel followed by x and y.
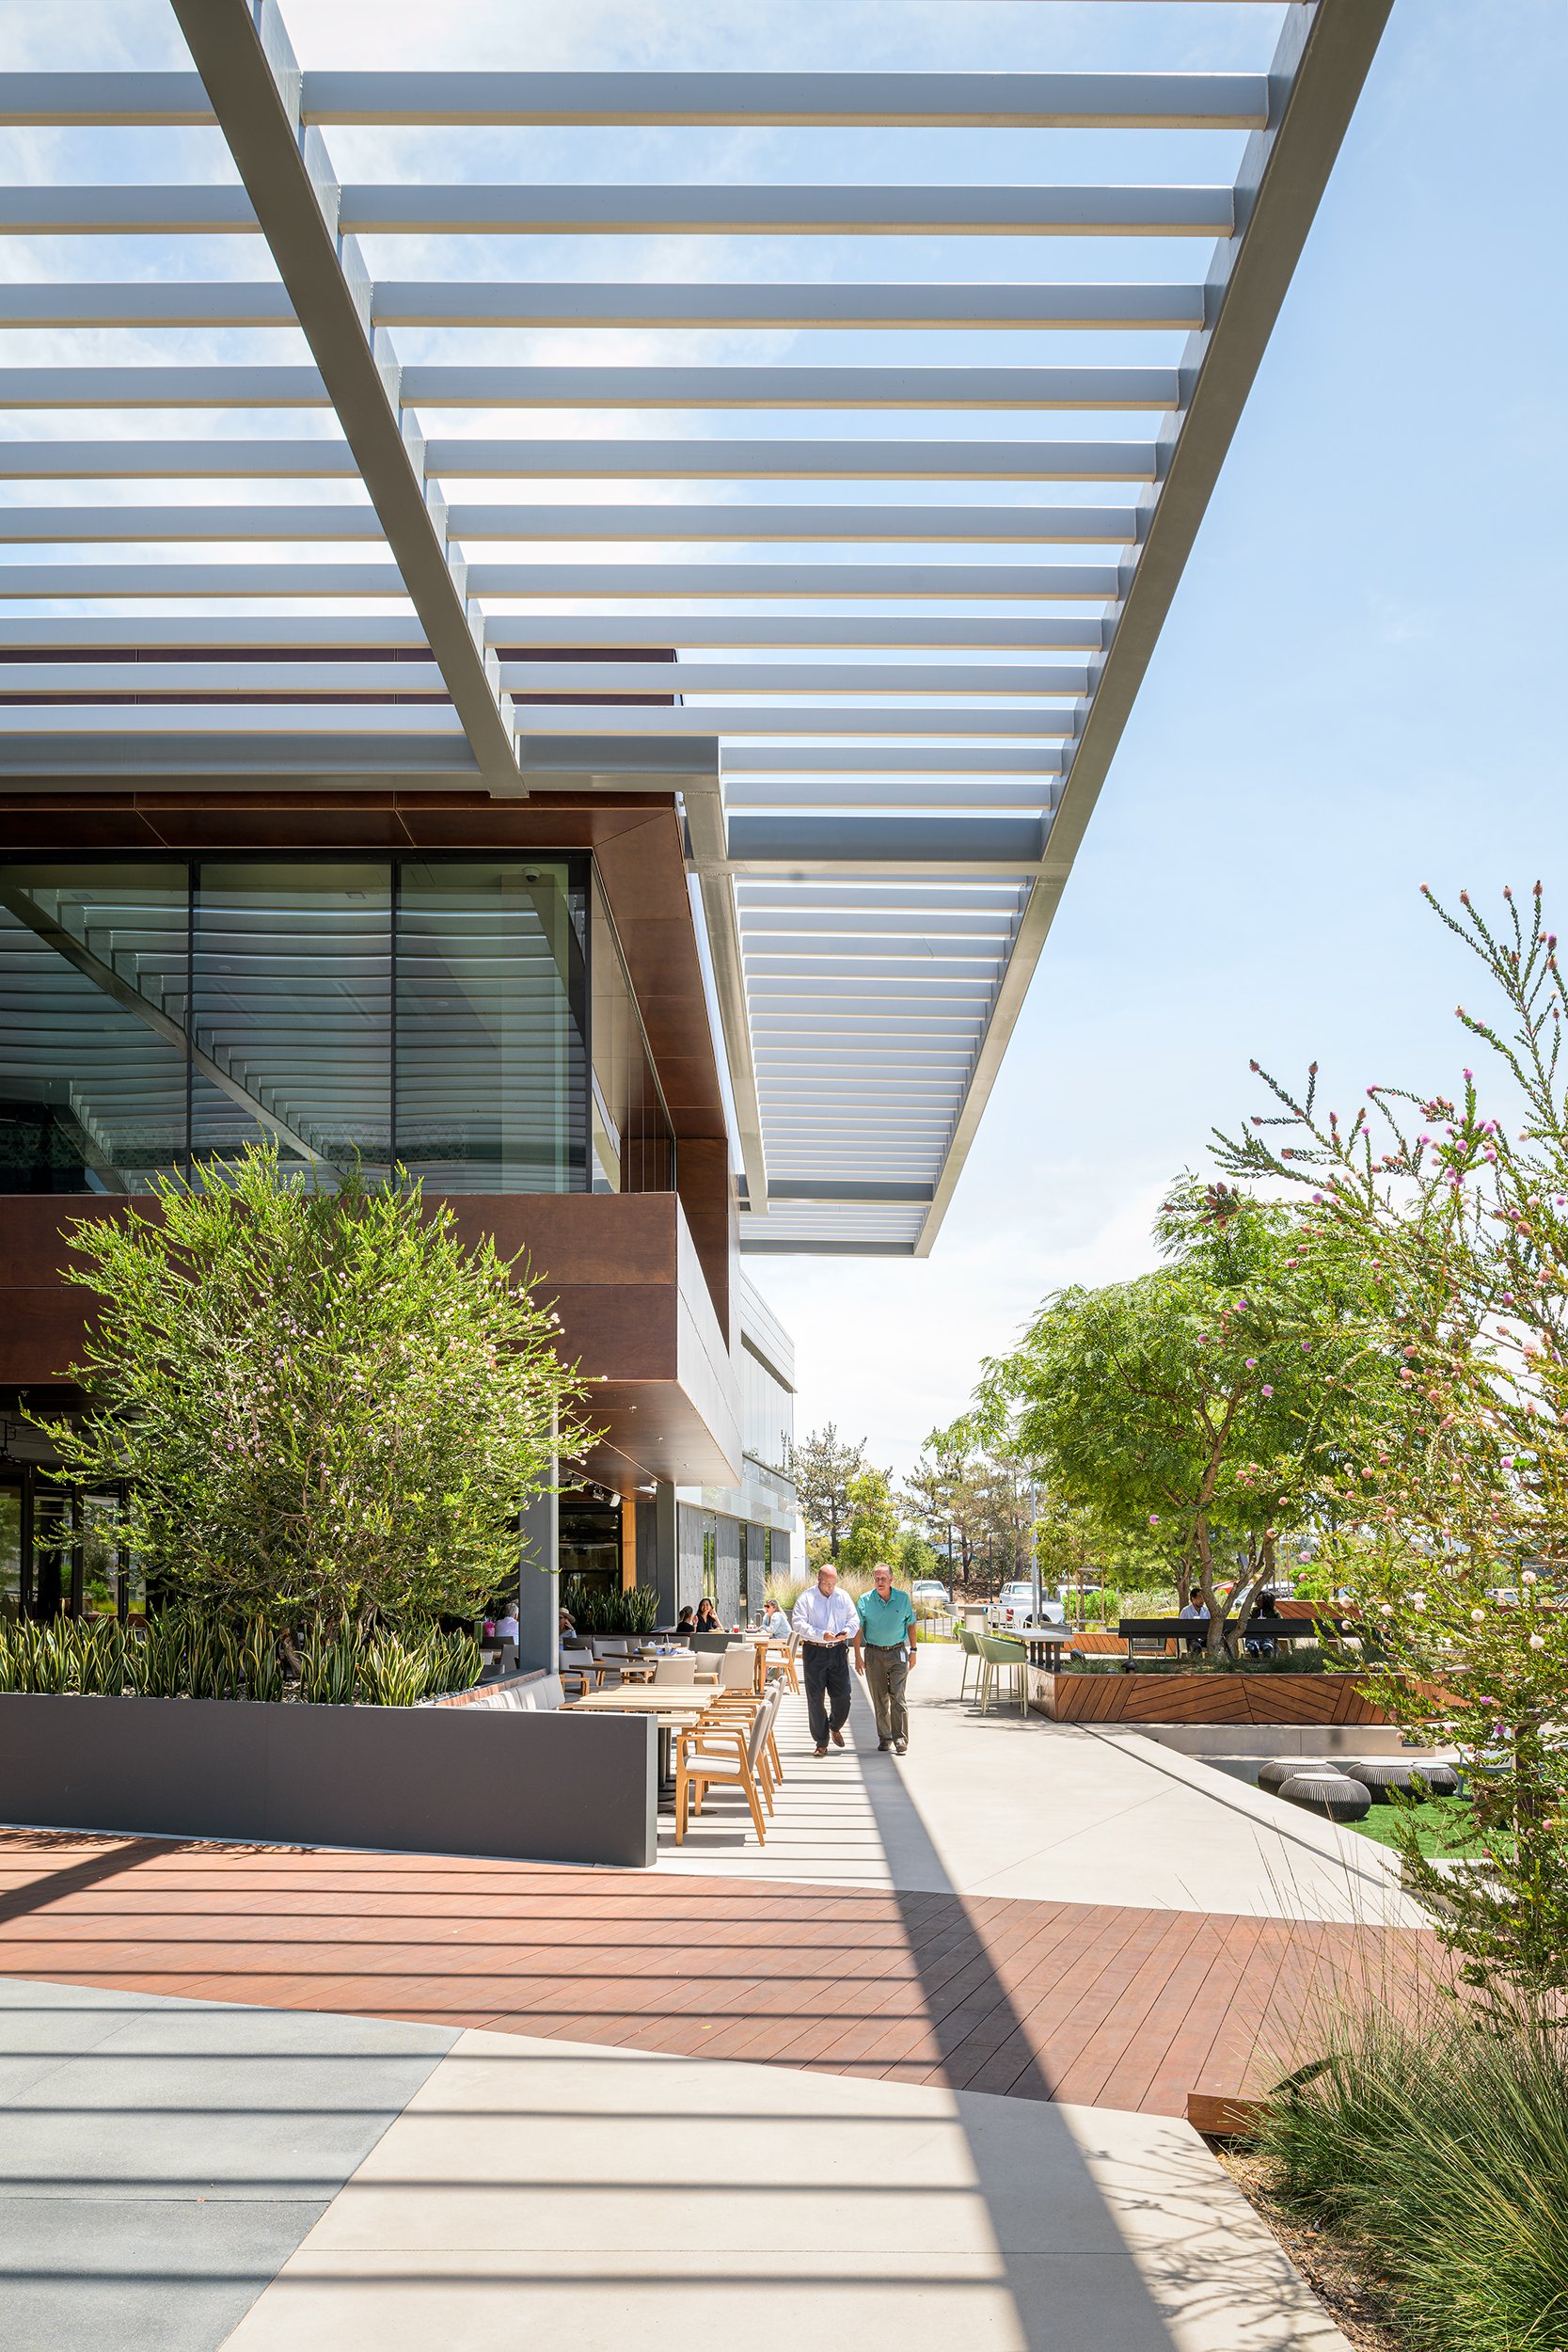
pixel 1034 1556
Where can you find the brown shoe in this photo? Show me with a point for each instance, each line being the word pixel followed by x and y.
pixel 819 1751
pixel 837 1738
pixel 900 1747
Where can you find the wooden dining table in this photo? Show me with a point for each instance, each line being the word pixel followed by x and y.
pixel 671 1707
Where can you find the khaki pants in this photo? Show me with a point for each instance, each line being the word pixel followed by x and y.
pixel 886 1673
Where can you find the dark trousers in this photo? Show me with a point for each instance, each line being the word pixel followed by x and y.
pixel 886 1673
pixel 826 1688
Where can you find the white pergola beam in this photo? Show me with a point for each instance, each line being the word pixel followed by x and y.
pixel 1040 526
pixel 177 460
pixel 247 67
pixel 758 719
pixel 488 99
pixel 566 209
pixel 238 302
pixel 713 459
pixel 1081 390
pixel 170 633
pixel 967 307
pixel 706 460
pixel 1080 583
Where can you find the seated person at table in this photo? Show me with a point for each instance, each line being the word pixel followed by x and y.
pixel 708 1618
pixel 567 1632
pixel 1196 1609
pixel 775 1622
pixel 684 1624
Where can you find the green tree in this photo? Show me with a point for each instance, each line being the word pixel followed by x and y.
pixel 915 1560
pixel 1451 1520
pixel 873 1529
pixel 943 1494
pixel 326 1406
pixel 822 1466
pixel 1076 1547
pixel 1206 1404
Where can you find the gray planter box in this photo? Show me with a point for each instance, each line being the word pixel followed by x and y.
pixel 550 1786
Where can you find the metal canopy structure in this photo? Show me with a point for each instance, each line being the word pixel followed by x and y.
pixel 894 709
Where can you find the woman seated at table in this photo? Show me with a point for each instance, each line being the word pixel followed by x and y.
pixel 706 1620
pixel 567 1632
pixel 684 1624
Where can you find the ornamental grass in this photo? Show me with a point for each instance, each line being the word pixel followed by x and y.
pixel 1435 2154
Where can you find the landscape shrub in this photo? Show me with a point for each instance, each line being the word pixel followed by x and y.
pixel 1435 2152
pixel 180 1654
pixel 594 1610
pixel 324 1405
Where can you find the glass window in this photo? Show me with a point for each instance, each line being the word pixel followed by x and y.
pixel 92 1005
pixel 430 1010
pixel 10 1552
pixel 634 1147
pixel 491 992
pixel 293 1003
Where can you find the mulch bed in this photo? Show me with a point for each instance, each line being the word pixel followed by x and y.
pixel 1329 2268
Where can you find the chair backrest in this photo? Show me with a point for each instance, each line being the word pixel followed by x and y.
pixel 611 1646
pixel 682 1670
pixel 970 1640
pixel 756 1736
pixel 737 1668
pixel 711 1642
pixel 1001 1652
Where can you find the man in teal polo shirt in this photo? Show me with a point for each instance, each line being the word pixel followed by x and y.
pixel 884 1652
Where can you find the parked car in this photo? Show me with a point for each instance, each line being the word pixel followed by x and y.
pixel 928 1593
pixel 1013 1609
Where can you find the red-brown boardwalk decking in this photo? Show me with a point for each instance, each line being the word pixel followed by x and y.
pixel 1116 2008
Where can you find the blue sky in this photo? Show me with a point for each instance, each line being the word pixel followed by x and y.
pixel 1356 692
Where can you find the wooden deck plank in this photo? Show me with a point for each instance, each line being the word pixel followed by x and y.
pixel 1110 2006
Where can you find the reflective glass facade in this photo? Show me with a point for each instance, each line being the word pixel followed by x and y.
pixel 469 1017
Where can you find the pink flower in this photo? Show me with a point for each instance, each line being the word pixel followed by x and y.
pixel 1252 1363
pixel 1155 1518
pixel 1267 1392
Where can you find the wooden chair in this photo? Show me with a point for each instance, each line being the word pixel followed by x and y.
pixel 716 1753
pixel 677 1670
pixel 999 1658
pixel 739 1707
pixel 737 1668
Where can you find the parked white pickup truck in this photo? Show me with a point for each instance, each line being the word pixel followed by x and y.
pixel 1013 1609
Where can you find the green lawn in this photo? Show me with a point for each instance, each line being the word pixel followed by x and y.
pixel 1438 1824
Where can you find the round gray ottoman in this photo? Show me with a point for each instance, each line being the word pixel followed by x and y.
pixel 1332 1794
pixel 1383 1774
pixel 1282 1767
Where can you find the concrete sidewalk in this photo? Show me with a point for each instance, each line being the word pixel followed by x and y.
pixel 179 2175
pixel 1014 1805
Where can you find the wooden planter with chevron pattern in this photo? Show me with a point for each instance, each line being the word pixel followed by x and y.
pixel 1203 1698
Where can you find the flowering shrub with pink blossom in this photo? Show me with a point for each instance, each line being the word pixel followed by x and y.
pixel 1450 1520
pixel 329 1409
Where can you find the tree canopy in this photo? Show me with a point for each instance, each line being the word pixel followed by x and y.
pixel 326 1404
pixel 1205 1406
pixel 822 1466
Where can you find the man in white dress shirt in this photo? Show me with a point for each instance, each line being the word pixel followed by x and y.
pixel 827 1621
